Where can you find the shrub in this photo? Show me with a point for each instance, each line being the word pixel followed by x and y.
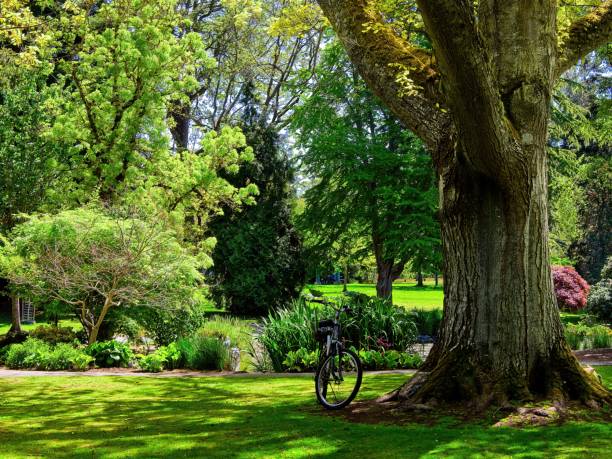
pixel 152 363
pixel 222 327
pixel 290 329
pixel 64 356
pixel 375 323
pixel 165 357
pixel 53 334
pixel 203 353
pixel 301 360
pixel 168 325
pixel 304 360
pixel 570 288
pixel 600 301
pixel 108 354
pixel 427 322
pixel 35 353
pixel 388 360
pixel 29 354
pixel 581 336
pixel 372 324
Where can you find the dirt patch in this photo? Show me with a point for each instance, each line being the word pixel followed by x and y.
pixel 540 414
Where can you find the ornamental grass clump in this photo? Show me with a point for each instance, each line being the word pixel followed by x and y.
pixel 203 353
pixel 571 289
pixel 37 354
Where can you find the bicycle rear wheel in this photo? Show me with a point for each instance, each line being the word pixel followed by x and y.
pixel 338 380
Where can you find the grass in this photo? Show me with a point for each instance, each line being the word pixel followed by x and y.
pixel 5 324
pixel 265 417
pixel 404 294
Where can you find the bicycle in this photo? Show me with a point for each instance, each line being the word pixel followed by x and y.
pixel 339 374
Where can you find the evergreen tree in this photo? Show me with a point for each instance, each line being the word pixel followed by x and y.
pixel 257 260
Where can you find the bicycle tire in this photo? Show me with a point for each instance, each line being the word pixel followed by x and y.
pixel 321 385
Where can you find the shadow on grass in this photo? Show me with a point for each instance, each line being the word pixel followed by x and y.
pixel 243 418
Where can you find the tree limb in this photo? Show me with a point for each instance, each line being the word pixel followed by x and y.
pixel 380 55
pixel 584 35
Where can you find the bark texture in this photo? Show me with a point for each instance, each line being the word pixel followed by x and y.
pixel 15 315
pixel 494 69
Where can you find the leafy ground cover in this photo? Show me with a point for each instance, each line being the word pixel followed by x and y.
pixel 404 294
pixel 247 417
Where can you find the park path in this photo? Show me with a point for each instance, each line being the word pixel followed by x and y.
pixel 591 357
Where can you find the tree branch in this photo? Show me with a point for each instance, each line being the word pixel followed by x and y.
pixel 381 56
pixel 489 143
pixel 585 35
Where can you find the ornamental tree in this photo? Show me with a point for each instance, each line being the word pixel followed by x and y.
pixel 474 81
pixel 96 262
pixel 571 289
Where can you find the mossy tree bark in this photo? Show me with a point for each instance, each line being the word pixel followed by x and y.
pixel 482 110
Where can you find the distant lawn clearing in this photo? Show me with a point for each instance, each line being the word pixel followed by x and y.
pixel 404 294
pixel 5 325
pixel 246 417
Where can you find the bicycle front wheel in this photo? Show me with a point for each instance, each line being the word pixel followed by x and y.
pixel 338 380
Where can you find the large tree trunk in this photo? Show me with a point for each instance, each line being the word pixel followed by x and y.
pixel 15 315
pixel 501 337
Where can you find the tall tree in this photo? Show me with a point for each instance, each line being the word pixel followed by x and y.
pixel 258 265
pixel 270 47
pixel 30 163
pixel 480 102
pixel 374 180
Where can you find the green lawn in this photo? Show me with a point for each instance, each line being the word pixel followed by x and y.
pixel 404 294
pixel 266 417
pixel 5 324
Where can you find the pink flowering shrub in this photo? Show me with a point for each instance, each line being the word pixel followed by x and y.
pixel 570 288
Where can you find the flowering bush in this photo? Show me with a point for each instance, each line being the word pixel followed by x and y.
pixel 570 288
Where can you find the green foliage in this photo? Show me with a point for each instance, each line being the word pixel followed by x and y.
pixel 109 354
pixel 54 335
pixel 31 164
pixel 153 363
pixel 427 321
pixel 388 360
pixel 376 323
pixel 203 353
pixel 289 329
pixel 595 245
pixel 582 336
pixel 164 358
pixel 226 327
pixel 372 324
pixel 257 259
pixel 372 180
pixel 371 359
pixel 35 353
pixel 301 360
pixel 599 302
pixel 168 325
pixel 96 261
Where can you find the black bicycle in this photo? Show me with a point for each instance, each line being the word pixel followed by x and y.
pixel 339 374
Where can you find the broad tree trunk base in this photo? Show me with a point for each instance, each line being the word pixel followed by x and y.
pixel 454 379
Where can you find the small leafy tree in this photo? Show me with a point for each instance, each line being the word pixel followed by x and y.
pixel 96 262
pixel 571 289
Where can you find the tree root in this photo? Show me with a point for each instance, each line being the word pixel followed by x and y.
pixel 476 386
